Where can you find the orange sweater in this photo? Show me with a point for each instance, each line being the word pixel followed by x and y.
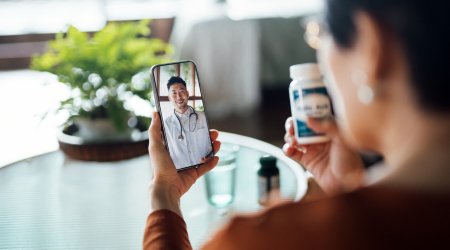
pixel 370 218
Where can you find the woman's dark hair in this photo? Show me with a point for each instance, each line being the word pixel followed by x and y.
pixel 421 27
pixel 174 80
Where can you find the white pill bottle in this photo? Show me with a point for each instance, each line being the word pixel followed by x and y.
pixel 309 98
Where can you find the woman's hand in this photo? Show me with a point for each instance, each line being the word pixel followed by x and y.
pixel 336 167
pixel 168 185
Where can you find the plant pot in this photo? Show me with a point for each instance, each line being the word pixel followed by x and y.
pixel 103 146
pixel 100 130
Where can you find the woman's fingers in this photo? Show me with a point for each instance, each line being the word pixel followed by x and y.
pixel 306 155
pixel 289 126
pixel 213 134
pixel 288 149
pixel 216 146
pixel 294 152
pixel 289 139
pixel 207 166
pixel 210 163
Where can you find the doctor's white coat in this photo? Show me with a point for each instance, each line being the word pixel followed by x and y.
pixel 196 143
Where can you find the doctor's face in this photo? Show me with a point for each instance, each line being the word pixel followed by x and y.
pixel 178 96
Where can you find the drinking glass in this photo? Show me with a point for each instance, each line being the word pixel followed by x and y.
pixel 221 181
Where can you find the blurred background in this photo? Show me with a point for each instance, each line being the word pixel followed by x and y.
pixel 242 48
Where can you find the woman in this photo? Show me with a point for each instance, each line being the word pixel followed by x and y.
pixel 387 65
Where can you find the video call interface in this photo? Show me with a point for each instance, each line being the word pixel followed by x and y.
pixel 183 114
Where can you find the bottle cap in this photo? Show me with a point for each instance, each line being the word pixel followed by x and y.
pixel 268 166
pixel 305 71
pixel 268 161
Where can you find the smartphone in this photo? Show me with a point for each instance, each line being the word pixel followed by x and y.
pixel 179 101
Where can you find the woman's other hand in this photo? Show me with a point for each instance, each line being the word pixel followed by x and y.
pixel 168 185
pixel 335 166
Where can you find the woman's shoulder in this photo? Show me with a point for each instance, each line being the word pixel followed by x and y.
pixel 350 220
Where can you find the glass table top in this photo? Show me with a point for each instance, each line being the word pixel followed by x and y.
pixel 52 202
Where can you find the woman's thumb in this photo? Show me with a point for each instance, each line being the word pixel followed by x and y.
pixel 154 132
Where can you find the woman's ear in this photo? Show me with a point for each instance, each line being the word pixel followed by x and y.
pixel 374 49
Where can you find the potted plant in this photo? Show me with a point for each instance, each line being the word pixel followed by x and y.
pixel 107 72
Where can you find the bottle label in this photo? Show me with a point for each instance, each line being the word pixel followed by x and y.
pixel 311 102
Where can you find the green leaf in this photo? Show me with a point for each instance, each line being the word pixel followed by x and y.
pixel 116 53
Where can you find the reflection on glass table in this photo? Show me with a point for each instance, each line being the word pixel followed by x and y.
pixel 202 219
pixel 52 202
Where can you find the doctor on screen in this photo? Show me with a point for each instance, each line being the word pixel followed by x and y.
pixel 186 129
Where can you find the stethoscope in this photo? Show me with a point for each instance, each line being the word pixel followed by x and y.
pixel 193 113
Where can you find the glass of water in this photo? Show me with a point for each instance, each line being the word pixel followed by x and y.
pixel 221 181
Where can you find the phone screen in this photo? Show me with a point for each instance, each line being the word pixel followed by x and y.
pixel 179 101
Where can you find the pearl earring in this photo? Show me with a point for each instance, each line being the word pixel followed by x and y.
pixel 365 94
pixel 363 91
